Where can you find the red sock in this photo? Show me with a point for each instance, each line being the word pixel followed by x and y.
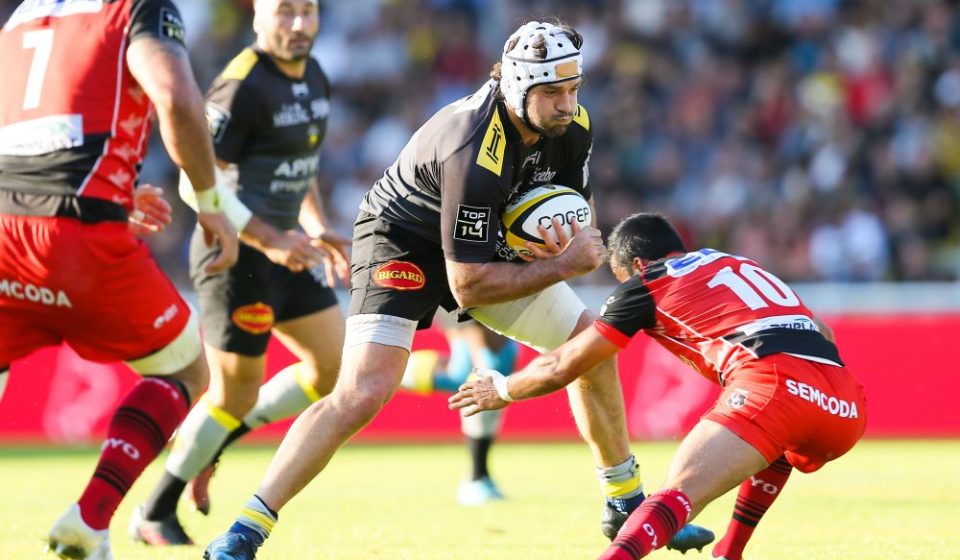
pixel 755 497
pixel 650 526
pixel 138 432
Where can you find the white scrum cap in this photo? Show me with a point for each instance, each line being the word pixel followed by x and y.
pixel 521 68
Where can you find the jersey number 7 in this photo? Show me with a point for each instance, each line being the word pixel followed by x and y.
pixel 41 41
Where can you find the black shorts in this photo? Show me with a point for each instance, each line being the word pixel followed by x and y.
pixel 240 306
pixel 396 272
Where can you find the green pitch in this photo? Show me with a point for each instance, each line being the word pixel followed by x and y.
pixel 886 500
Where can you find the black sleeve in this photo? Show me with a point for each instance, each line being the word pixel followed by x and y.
pixel 159 19
pixel 578 145
pixel 470 203
pixel 232 112
pixel 629 309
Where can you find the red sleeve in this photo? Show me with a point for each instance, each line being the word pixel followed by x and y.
pixel 611 333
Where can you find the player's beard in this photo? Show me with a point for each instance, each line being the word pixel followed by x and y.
pixel 289 53
pixel 553 129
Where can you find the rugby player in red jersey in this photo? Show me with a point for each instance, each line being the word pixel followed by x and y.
pixel 787 401
pixel 82 80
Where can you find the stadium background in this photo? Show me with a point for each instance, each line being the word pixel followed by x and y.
pixel 820 137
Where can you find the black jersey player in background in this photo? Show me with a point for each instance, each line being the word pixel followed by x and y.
pixel 267 113
pixel 426 237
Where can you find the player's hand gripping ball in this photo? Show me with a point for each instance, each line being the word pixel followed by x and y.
pixel 538 207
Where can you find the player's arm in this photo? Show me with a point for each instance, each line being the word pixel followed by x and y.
pixel 474 284
pixel 291 249
pixel 469 241
pixel 545 374
pixel 162 69
pixel 313 218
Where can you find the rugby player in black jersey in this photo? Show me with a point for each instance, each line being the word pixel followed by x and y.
pixel 427 237
pixel 267 113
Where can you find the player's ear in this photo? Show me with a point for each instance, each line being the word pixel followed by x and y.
pixel 637 264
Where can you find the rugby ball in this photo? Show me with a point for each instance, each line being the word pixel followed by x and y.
pixel 539 206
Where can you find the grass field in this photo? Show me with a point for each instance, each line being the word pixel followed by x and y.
pixel 886 500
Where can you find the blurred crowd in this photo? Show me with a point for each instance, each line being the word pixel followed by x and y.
pixel 821 137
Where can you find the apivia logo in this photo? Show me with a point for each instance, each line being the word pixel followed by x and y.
pixel 300 167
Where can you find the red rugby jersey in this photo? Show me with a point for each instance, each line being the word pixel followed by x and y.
pixel 74 124
pixel 714 311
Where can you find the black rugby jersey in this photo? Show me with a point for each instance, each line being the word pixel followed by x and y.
pixel 454 177
pixel 268 127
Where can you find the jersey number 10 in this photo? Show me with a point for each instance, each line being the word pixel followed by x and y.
pixel 756 287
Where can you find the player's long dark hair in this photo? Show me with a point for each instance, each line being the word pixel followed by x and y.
pixel 644 235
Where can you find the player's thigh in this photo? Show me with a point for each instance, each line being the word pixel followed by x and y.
pixel 21 336
pixel 237 305
pixel 397 279
pixel 542 321
pixel 830 413
pixel 135 313
pixel 710 461
pixel 317 341
pixel 235 380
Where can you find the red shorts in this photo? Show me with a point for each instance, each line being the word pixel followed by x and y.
pixel 95 286
pixel 782 404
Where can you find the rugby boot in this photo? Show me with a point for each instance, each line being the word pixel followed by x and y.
pixel 688 537
pixel 231 546
pixel 478 492
pixel 198 490
pixel 162 532
pixel 71 538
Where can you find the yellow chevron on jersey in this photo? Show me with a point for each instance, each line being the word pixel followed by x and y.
pixel 241 65
pixel 492 148
pixel 581 117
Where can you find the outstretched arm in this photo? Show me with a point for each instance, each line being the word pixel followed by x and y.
pixel 545 374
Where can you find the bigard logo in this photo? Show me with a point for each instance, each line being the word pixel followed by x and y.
pixel 256 318
pixel 399 275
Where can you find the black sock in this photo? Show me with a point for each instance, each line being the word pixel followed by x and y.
pixel 163 501
pixel 479 450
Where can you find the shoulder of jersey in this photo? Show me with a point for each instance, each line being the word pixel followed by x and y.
pixel 241 65
pixel 581 117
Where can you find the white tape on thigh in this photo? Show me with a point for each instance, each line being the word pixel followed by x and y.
pixel 4 375
pixel 542 321
pixel 174 356
pixel 387 330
